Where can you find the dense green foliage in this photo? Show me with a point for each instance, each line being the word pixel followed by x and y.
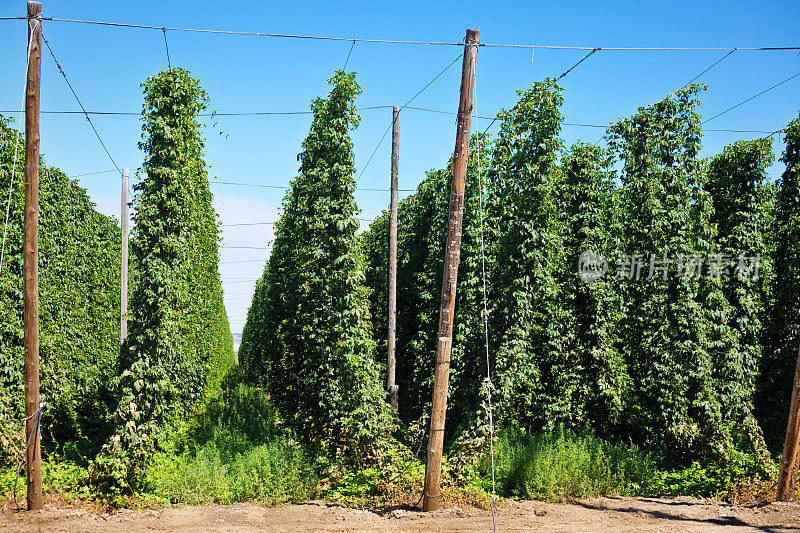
pixel 308 336
pixel 78 310
pixel 178 329
pixel 743 206
pixel 535 383
pixel 681 352
pixel 652 350
pixel 591 224
pixel 783 333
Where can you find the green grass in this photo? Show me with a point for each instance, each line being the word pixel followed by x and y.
pixel 742 473
pixel 561 465
pixel 268 474
pixel 233 450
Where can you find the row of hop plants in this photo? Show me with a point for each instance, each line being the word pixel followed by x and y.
pixel 697 365
pixel 105 406
pixel 179 345
pixel 79 252
pixel 308 336
pixel 688 363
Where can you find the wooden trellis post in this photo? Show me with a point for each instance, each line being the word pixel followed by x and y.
pixel 391 381
pixel 788 474
pixel 441 374
pixel 30 259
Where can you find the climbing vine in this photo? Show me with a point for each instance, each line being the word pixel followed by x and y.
pixel 308 336
pixel 177 326
pixel 535 385
pixel 591 226
pixel 783 330
pixel 78 311
pixel 742 212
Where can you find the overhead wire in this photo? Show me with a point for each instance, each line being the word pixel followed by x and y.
pixel 419 42
pixel 714 64
pixel 346 61
pixel 445 69
pixel 93 173
pixel 268 186
pixel 268 113
pixel 211 114
pixel 751 98
pixel 584 58
pixel 166 45
pixel 83 109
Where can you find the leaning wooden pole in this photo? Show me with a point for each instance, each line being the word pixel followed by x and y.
pixel 123 288
pixel 791 446
pixel 452 257
pixel 391 379
pixel 30 259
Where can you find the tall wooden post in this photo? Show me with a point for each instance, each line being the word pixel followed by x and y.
pixel 30 259
pixel 123 289
pixel 391 385
pixel 441 375
pixel 788 474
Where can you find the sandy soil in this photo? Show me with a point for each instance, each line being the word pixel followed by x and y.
pixel 601 514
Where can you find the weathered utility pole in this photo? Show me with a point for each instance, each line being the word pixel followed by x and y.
pixel 123 289
pixel 452 257
pixel 788 474
pixel 30 259
pixel 391 385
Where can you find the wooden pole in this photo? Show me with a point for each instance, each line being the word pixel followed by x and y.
pixel 788 474
pixel 391 385
pixel 30 259
pixel 123 290
pixel 441 374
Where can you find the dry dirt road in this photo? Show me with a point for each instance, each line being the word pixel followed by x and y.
pixel 597 514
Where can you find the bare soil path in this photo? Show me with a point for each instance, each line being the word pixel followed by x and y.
pixel 596 514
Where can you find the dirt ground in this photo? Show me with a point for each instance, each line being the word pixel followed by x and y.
pixel 600 514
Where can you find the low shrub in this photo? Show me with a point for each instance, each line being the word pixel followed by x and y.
pixel 741 477
pixel 58 476
pixel 560 465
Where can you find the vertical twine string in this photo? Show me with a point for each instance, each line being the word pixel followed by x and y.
pixel 485 305
pixel 166 45
pixel 16 146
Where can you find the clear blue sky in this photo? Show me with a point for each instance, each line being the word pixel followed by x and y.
pixel 243 74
